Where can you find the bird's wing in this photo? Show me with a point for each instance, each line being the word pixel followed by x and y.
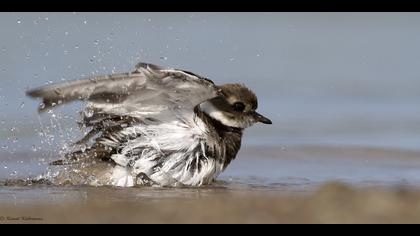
pixel 149 89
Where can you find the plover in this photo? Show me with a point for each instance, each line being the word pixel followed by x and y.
pixel 154 126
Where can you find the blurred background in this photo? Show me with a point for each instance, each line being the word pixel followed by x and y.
pixel 328 79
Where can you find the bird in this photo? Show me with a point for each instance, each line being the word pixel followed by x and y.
pixel 153 126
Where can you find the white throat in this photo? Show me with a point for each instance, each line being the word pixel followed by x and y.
pixel 218 115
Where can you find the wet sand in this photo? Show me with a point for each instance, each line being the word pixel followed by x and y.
pixel 264 185
pixel 332 203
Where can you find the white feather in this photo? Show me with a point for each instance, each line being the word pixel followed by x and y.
pixel 186 142
pixel 121 177
pixel 218 115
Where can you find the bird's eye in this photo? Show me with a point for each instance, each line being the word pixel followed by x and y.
pixel 239 106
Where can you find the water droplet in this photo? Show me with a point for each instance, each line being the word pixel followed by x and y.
pixel 89 113
pixel 5 167
pixel 4 148
pixel 258 55
pixel 19 21
pixel 45 68
pixel 46 18
pixel 13 173
pixel 15 140
pixel 66 33
pixel 164 58
pixel 22 105
pixel 91 60
pixel 33 148
pixel 76 47
pixel 85 22
pixel 42 105
pixel 231 59
pixel 96 42
pixel 149 20
pixel 66 52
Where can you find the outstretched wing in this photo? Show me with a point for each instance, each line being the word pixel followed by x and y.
pixel 149 94
pixel 149 89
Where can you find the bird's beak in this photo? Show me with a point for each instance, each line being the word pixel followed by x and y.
pixel 260 118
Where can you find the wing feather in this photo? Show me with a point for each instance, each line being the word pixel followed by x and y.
pixel 148 84
pixel 93 88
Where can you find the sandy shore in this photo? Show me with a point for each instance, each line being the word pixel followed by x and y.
pixel 331 203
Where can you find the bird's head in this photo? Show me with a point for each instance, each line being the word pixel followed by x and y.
pixel 235 108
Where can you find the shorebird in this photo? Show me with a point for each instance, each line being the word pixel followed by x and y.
pixel 153 126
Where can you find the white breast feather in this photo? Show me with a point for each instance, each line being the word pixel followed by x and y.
pixel 186 142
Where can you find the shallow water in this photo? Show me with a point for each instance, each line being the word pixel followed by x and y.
pixel 293 170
